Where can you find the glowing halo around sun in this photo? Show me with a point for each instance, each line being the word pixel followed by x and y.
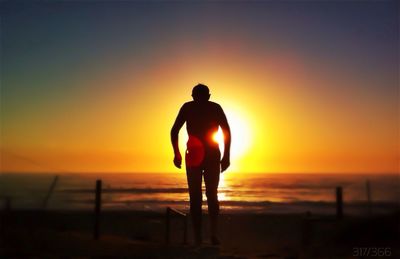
pixel 241 136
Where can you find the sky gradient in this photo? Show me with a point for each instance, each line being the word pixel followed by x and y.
pixel 95 86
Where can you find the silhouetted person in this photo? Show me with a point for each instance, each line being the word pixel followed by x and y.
pixel 202 156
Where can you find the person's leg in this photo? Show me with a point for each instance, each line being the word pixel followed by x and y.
pixel 194 177
pixel 211 179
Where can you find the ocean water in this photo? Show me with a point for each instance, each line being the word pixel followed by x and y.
pixel 255 193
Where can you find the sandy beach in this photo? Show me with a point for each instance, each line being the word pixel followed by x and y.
pixel 135 234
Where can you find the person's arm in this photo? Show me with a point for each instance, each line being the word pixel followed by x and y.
pixel 225 162
pixel 180 120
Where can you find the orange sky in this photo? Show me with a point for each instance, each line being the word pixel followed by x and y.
pixel 289 111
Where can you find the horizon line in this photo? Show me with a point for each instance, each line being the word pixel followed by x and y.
pixel 184 172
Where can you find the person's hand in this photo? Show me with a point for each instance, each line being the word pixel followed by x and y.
pixel 178 160
pixel 225 163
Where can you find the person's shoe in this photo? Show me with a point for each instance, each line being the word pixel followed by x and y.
pixel 215 241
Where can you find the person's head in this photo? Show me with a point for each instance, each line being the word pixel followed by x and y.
pixel 201 93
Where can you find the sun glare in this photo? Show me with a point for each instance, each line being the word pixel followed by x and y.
pixel 218 137
pixel 240 135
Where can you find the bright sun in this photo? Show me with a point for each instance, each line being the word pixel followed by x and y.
pixel 241 135
pixel 218 136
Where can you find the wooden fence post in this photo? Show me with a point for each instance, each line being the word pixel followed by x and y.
pixel 339 202
pixel 168 218
pixel 369 198
pixel 97 209
pixel 185 230
pixel 167 225
pixel 50 192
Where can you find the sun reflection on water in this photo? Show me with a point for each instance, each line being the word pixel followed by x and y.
pixel 223 188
